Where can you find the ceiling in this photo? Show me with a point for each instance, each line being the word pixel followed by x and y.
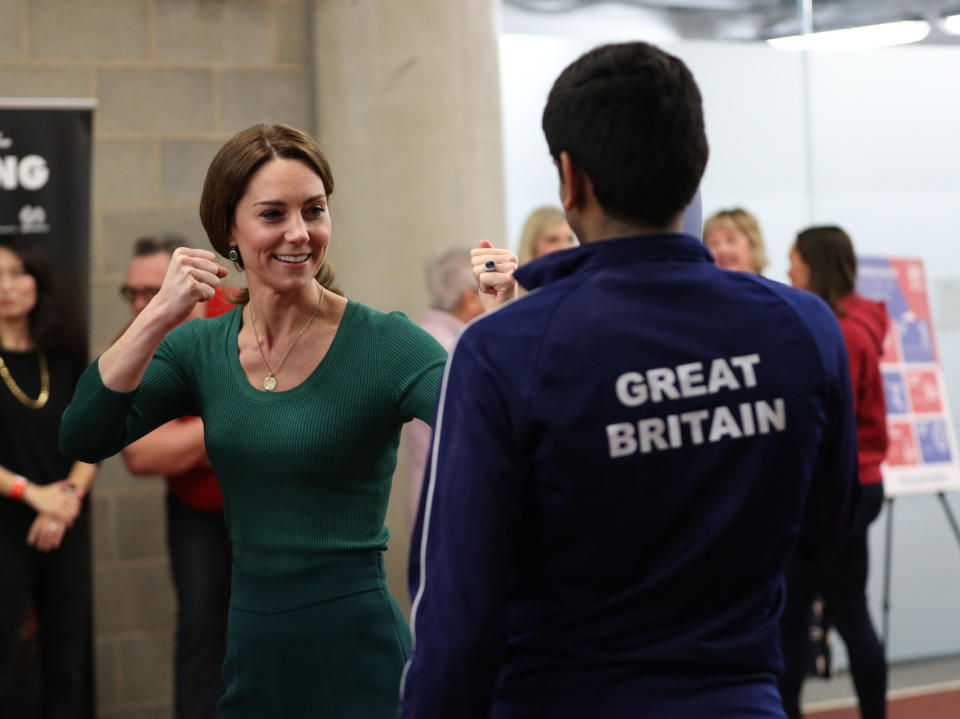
pixel 760 19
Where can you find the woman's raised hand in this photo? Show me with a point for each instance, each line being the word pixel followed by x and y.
pixel 493 268
pixel 192 276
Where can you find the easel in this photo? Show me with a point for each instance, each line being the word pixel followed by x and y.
pixel 901 284
pixel 887 560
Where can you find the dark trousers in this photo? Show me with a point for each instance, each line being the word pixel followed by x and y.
pixel 58 584
pixel 200 559
pixel 842 583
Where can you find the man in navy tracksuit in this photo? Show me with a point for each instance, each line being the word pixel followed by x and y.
pixel 625 459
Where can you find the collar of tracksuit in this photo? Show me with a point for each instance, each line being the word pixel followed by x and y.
pixel 557 265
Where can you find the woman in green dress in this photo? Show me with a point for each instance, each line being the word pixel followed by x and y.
pixel 302 393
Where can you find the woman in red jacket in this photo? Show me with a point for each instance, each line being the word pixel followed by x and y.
pixel 823 261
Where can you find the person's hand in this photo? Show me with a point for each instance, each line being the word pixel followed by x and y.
pixel 495 286
pixel 46 532
pixel 192 276
pixel 58 499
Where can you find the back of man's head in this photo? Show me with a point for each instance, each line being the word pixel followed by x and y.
pixel 631 118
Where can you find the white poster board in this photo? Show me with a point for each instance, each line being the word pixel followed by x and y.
pixel 922 456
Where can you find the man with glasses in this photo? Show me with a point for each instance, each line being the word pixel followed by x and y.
pixel 200 553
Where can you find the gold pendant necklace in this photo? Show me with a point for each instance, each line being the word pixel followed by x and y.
pixel 270 381
pixel 14 388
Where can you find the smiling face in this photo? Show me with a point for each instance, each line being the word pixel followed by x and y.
pixel 18 288
pixel 557 236
pixel 282 227
pixel 730 247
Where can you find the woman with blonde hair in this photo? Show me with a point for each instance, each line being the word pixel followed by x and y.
pixel 734 238
pixel 546 230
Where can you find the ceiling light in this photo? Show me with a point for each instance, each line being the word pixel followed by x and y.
pixel 951 23
pixel 857 38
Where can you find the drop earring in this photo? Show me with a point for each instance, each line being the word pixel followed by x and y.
pixel 232 254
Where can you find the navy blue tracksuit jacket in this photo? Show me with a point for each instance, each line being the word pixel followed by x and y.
pixel 623 462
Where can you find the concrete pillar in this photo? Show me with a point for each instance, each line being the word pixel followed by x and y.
pixel 408 113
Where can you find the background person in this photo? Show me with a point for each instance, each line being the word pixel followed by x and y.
pixel 448 272
pixel 625 459
pixel 734 238
pixel 196 534
pixel 823 261
pixel 546 230
pixel 44 513
pixel 302 393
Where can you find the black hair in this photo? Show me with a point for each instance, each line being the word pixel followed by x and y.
pixel 48 329
pixel 828 252
pixel 631 118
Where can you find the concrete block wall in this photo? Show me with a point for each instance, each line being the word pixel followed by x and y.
pixel 408 112
pixel 404 98
pixel 174 79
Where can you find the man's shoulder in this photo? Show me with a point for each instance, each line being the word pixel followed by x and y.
pixel 803 300
pixel 807 307
pixel 814 312
pixel 813 335
pixel 517 317
pixel 509 337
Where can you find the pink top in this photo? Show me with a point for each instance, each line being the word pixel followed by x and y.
pixel 444 327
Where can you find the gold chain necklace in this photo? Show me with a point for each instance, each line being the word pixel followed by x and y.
pixel 270 381
pixel 14 388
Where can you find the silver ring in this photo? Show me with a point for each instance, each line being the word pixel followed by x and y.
pixel 53 526
pixel 490 266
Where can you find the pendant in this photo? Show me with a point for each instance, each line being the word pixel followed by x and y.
pixel 269 383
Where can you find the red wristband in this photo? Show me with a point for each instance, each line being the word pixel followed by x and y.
pixel 19 484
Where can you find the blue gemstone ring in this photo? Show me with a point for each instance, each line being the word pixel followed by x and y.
pixel 490 266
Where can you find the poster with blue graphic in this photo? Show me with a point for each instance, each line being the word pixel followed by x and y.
pixel 922 456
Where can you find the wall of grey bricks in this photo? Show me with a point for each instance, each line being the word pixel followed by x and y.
pixel 173 79
pixel 403 96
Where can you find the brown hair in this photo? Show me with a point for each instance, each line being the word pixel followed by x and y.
pixel 155 244
pixel 828 252
pixel 52 323
pixel 230 172
pixel 538 221
pixel 739 220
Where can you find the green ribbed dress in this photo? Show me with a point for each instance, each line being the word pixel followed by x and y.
pixel 306 477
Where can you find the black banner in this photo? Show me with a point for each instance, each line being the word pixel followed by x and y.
pixel 45 148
